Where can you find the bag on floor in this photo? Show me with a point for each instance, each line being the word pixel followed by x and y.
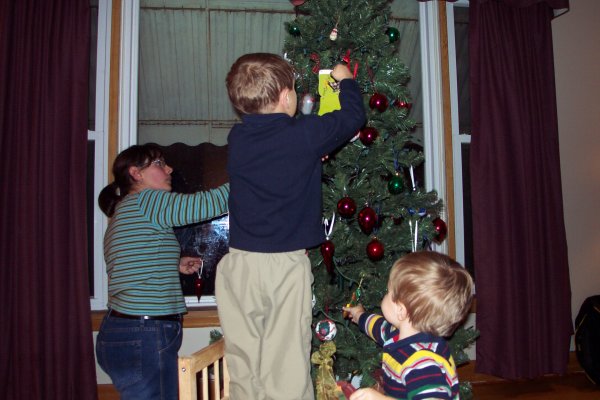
pixel 587 338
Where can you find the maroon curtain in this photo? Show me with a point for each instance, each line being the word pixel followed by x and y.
pixel 46 351
pixel 520 251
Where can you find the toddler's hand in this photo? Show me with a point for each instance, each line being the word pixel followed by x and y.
pixel 355 312
pixel 368 394
pixel 340 72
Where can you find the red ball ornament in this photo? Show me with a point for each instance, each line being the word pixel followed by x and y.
pixel 368 135
pixel 325 330
pixel 297 2
pixel 367 218
pixel 375 250
pixel 378 102
pixel 327 251
pixel 198 286
pixel 441 230
pixel 346 207
pixel 403 104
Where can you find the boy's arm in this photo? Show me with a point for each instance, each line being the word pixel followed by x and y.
pixel 425 378
pixel 330 131
pixel 369 324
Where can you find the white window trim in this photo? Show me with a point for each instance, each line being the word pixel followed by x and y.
pixel 457 138
pixel 100 137
pixel 128 72
pixel 433 122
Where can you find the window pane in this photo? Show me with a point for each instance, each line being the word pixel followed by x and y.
pixel 468 218
pixel 91 163
pixel 461 31
pixel 92 72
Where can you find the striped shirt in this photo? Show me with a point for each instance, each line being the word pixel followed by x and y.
pixel 142 252
pixel 417 367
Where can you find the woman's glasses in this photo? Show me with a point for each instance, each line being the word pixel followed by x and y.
pixel 159 163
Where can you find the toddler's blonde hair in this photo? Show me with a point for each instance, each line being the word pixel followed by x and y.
pixel 436 291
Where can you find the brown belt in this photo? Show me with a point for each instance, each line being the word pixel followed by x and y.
pixel 172 317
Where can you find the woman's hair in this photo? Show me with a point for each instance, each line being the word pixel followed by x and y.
pixel 436 291
pixel 256 80
pixel 135 156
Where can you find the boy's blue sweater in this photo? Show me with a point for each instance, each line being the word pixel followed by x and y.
pixel 274 167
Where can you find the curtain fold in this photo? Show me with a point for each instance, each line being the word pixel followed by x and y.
pixel 520 251
pixel 47 348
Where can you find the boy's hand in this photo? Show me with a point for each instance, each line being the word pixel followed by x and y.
pixel 340 72
pixel 355 312
pixel 368 394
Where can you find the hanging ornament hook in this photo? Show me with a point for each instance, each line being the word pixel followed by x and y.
pixel 198 281
pixel 329 225
pixel 412 178
pixel 199 272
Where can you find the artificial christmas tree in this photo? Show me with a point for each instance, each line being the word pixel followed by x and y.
pixel 374 206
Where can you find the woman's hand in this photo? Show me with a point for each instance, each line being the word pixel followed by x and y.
pixel 190 265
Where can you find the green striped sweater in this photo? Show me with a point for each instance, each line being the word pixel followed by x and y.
pixel 142 252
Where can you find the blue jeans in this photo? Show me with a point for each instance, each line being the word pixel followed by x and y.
pixel 140 356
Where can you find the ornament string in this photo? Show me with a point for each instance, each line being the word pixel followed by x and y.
pixel 198 281
pixel 411 233
pixel 348 62
pixel 377 219
pixel 414 233
pixel 317 60
pixel 415 241
pixel 371 77
pixel 199 272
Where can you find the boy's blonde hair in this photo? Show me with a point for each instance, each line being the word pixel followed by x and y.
pixel 256 80
pixel 436 291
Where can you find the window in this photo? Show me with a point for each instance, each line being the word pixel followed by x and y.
pixel 198 41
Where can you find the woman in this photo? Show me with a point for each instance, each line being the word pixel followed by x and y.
pixel 141 334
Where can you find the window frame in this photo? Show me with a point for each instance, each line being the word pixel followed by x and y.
pixel 100 136
pixel 433 105
pixel 458 139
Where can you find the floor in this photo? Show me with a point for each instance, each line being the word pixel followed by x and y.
pixel 574 385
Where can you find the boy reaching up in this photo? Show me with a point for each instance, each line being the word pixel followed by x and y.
pixel 263 285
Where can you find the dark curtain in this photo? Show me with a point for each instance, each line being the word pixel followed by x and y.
pixel 46 351
pixel 520 251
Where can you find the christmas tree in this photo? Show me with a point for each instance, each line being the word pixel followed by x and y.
pixel 374 207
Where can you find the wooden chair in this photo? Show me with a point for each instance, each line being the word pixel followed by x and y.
pixel 213 388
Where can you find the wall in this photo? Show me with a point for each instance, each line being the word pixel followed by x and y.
pixel 577 67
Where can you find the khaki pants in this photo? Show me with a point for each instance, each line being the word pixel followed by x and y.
pixel 265 307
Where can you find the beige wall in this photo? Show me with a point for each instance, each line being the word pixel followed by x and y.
pixel 576 37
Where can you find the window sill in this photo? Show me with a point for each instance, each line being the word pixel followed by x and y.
pixel 195 318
